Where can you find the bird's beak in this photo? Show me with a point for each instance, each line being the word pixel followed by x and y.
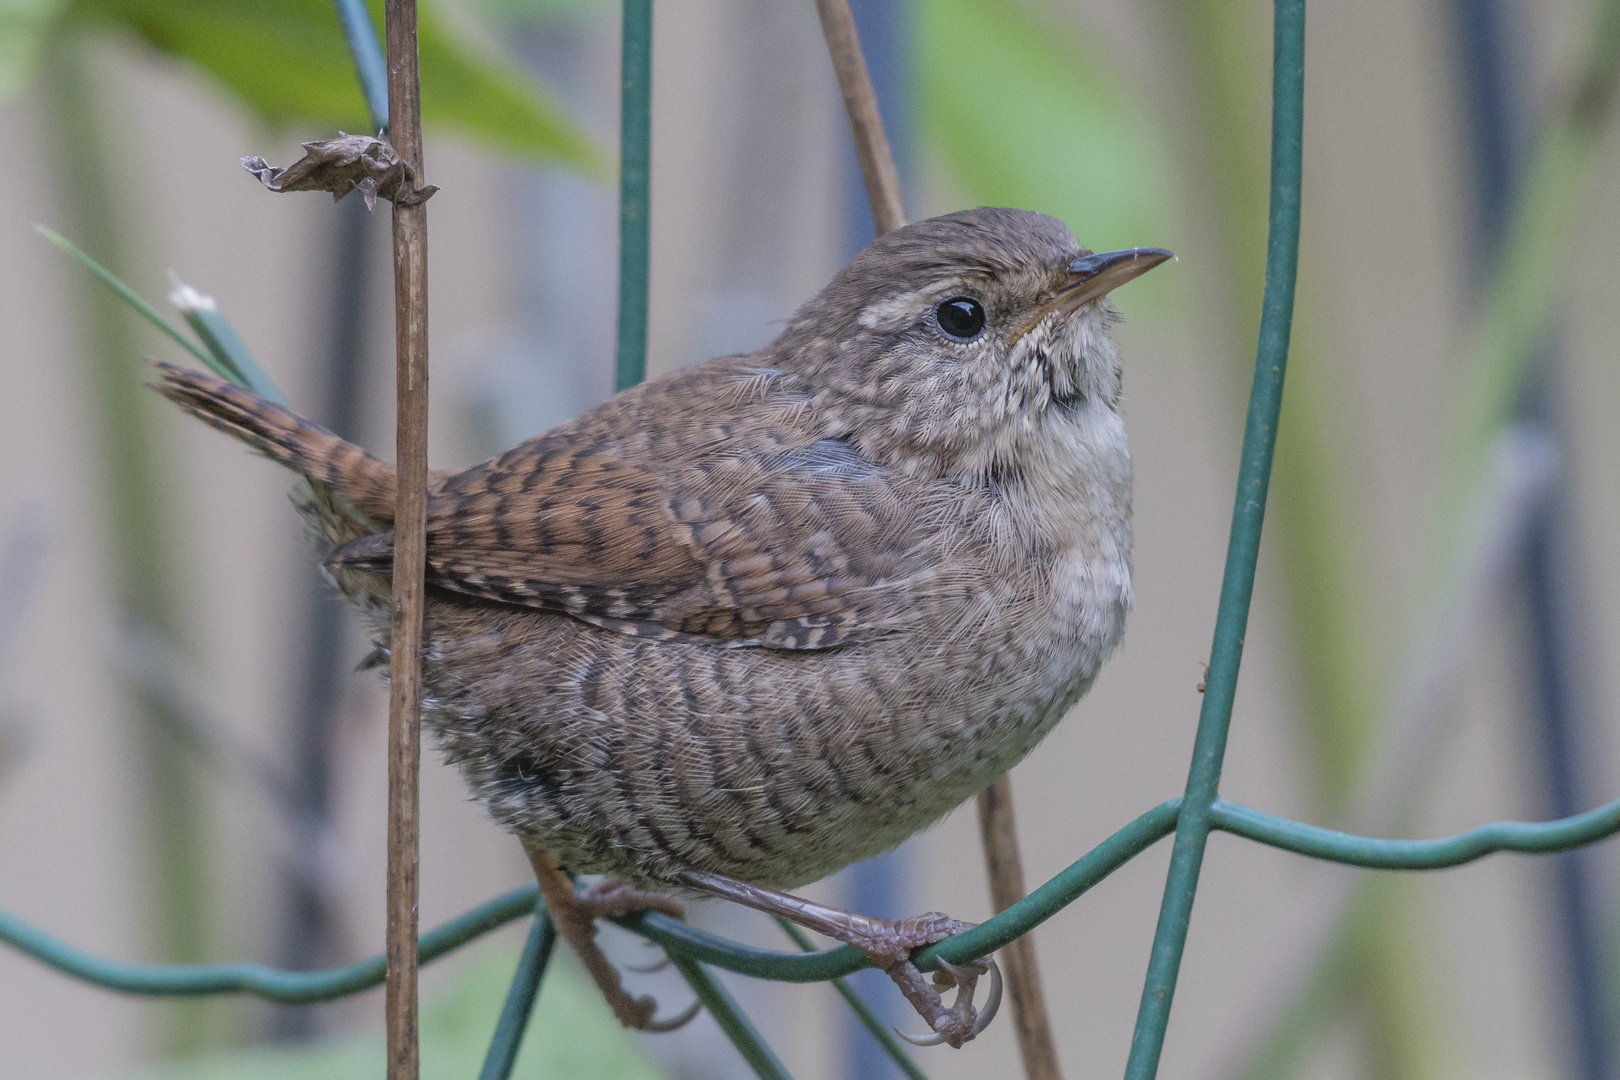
pixel 1094 276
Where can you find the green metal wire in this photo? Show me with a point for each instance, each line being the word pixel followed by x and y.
pixel 688 943
pixel 723 1007
pixel 1190 818
pixel 630 362
pixel 1243 549
pixel 519 1006
pixel 287 987
pixel 1037 907
pixel 291 987
pixel 1539 838
pixel 869 1019
pixel 635 179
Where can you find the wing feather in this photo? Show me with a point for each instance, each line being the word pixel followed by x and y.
pixel 750 543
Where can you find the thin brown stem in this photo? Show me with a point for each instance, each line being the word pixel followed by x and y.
pixel 1006 869
pixel 995 804
pixel 410 546
pixel 865 121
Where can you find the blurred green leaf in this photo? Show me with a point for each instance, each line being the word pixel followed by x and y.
pixel 24 25
pixel 287 60
pixel 572 1036
pixel 1024 112
pixel 532 11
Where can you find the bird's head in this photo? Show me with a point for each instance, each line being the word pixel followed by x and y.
pixel 949 346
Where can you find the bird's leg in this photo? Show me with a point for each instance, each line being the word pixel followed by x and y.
pixel 889 944
pixel 575 914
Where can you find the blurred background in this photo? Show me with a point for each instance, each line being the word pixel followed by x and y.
pixel 191 769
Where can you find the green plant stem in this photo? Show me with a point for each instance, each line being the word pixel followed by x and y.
pixel 228 349
pixel 139 513
pixel 129 295
pixel 1243 549
pixel 635 182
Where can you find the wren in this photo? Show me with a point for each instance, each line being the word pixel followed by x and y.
pixel 741 626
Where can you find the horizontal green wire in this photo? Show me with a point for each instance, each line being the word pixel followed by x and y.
pixel 1537 838
pixel 273 984
pixel 985 938
pixel 295 987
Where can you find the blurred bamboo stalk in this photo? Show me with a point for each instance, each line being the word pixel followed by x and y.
pixel 309 918
pixel 1002 860
pixel 410 546
pixel 1380 954
pixel 138 516
pixel 1303 990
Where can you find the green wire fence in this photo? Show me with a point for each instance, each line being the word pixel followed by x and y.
pixel 1190 818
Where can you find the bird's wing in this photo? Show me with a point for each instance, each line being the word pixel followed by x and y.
pixel 805 547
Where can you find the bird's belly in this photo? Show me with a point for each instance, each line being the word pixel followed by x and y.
pixel 640 759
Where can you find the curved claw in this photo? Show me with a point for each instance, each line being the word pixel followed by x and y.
pixel 965 975
pixel 680 1020
pixel 647 969
pixel 992 1004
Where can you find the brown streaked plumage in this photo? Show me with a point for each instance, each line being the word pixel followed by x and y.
pixel 774 613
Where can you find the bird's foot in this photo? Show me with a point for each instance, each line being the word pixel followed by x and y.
pixel 890 944
pixel 575 913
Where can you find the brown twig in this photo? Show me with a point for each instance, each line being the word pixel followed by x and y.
pixel 410 545
pixel 865 122
pixel 995 803
pixel 1000 835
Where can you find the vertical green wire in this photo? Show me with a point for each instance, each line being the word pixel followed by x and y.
pixel 630 368
pixel 723 1007
pixel 531 968
pixel 1243 549
pixel 635 155
pixel 861 1009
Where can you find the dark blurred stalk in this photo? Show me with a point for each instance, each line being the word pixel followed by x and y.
pixel 307 935
pixel 1554 633
pixel 1493 96
pixel 141 531
pixel 876 886
pixel 1313 525
pixel 1384 962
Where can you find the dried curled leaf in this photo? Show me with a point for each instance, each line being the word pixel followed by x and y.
pixel 347 163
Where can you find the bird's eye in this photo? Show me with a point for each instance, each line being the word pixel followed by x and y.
pixel 961 317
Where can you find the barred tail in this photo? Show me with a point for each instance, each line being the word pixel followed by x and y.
pixel 282 435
